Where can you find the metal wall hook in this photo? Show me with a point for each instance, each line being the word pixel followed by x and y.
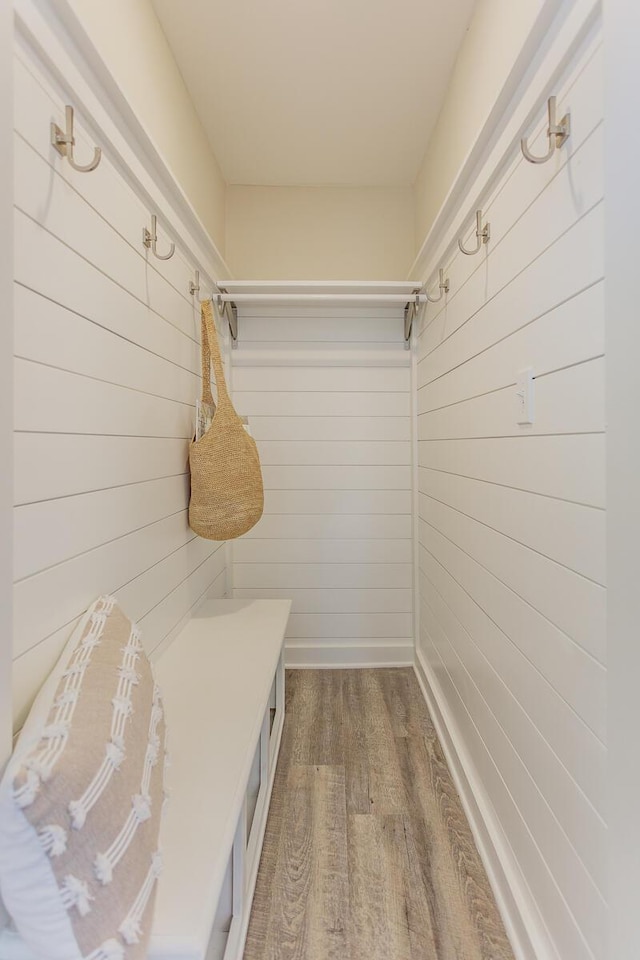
pixel 483 235
pixel 556 132
pixel 443 287
pixel 194 286
pixel 150 239
pixel 64 142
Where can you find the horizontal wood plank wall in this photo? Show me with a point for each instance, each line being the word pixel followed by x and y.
pixel 106 375
pixel 327 392
pixel 512 523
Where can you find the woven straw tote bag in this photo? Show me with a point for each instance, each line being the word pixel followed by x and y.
pixel 227 497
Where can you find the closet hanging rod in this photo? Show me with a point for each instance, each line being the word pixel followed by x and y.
pixel 354 298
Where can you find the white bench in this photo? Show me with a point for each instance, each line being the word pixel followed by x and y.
pixel 222 681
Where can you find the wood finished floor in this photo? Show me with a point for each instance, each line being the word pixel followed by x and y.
pixel 367 853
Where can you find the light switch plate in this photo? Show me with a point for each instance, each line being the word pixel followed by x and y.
pixel 524 396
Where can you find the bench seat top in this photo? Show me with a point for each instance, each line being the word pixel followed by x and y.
pixel 215 679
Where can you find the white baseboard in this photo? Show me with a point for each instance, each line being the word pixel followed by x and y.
pixel 299 654
pixel 520 915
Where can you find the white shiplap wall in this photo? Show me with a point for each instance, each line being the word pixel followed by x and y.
pixel 327 392
pixel 512 525
pixel 106 374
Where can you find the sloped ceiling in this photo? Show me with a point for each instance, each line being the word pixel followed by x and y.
pixel 315 92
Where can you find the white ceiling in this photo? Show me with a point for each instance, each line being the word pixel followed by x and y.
pixel 311 92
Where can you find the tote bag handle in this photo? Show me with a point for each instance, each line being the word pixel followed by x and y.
pixel 211 353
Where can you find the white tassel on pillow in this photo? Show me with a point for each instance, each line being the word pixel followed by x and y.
pixel 109 950
pixel 55 730
pixel 53 839
pixel 115 754
pixel 112 950
pixel 123 705
pixel 75 893
pixel 39 767
pixel 141 807
pixel 78 814
pixel 129 674
pixel 153 752
pixel 103 869
pixel 76 669
pixel 130 930
pixel 26 794
pixel 69 696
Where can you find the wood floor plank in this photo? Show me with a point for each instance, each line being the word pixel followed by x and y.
pixel 316 702
pixel 386 786
pixel 368 857
pixel 378 927
pixel 421 899
pixel 301 903
pixel 468 922
pixel 356 764
pixel 405 703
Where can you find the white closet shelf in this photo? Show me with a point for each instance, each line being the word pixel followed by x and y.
pixel 321 286
pixel 319 291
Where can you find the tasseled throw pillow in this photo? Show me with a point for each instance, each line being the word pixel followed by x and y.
pixel 81 800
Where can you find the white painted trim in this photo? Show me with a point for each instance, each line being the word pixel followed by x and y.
pixel 517 907
pixel 415 483
pixel 59 41
pixel 324 299
pixel 327 656
pixel 559 32
pixel 240 907
pixel 324 288
pixel 622 252
pixel 253 837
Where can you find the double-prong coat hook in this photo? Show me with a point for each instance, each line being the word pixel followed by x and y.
pixel 64 142
pixel 556 132
pixel 443 287
pixel 483 235
pixel 150 239
pixel 194 285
